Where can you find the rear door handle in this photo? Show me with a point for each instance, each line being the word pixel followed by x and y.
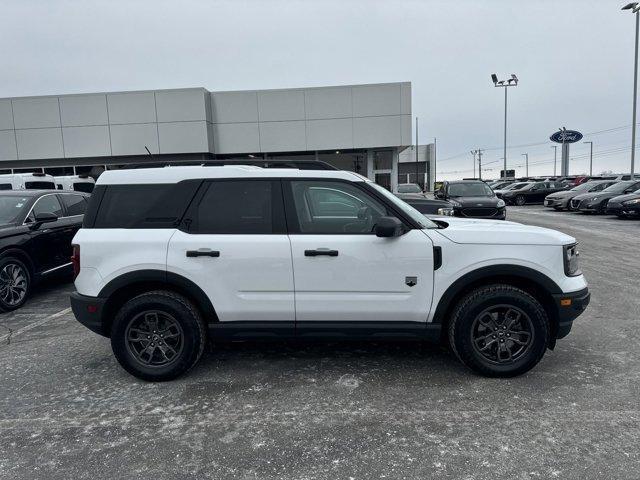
pixel 321 251
pixel 203 253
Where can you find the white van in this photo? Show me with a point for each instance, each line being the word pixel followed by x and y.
pixel 27 181
pixel 79 183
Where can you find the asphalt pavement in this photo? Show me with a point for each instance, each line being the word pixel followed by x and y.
pixel 334 411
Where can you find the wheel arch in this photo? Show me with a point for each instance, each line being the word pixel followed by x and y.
pixel 531 281
pixel 125 287
pixel 22 255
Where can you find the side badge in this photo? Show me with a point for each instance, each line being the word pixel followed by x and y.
pixel 411 281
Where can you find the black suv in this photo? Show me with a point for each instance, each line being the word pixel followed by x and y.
pixel 472 198
pixel 36 228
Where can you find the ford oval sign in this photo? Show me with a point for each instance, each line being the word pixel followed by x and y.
pixel 566 136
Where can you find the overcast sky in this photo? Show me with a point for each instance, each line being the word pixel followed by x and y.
pixel 574 60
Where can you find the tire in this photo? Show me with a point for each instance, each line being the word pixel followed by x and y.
pixel 466 331
pixel 141 349
pixel 15 283
pixel 520 200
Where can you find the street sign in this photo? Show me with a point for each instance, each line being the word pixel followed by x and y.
pixel 510 174
pixel 566 136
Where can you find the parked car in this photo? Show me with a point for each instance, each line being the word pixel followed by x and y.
pixel 533 192
pixel 514 186
pixel 27 181
pixel 36 228
pixel 624 205
pixel 560 200
pixel 77 183
pixel 409 189
pixel 472 198
pixel 500 185
pixel 276 261
pixel 597 202
pixel 429 206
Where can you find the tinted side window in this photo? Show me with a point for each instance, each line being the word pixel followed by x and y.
pixel 142 206
pixel 47 204
pixel 76 204
pixel 236 206
pixel 85 187
pixel 6 186
pixel 330 207
pixel 40 185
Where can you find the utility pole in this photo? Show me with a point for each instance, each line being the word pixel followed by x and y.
pixel 417 165
pixel 526 164
pixel 473 152
pixel 480 163
pixel 435 143
pixel 555 158
pixel 590 158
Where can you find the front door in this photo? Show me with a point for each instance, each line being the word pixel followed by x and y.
pixel 345 273
pixel 51 241
pixel 234 246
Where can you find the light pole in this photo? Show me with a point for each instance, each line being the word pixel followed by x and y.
pixel 526 164
pixel 555 158
pixel 512 82
pixel 590 157
pixel 635 8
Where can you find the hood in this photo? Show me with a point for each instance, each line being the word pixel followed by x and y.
pixel 8 229
pixel 476 201
pixel 475 231
pixel 625 197
pixel 600 195
pixel 564 194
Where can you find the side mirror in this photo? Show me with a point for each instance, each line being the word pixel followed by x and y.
pixel 44 217
pixel 388 227
pixel 439 194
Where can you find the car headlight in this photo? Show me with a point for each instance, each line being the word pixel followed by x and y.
pixel 501 203
pixel 455 203
pixel 632 202
pixel 593 199
pixel 571 260
pixel 445 211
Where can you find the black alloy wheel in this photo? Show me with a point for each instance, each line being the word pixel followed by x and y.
pixel 15 283
pixel 521 200
pixel 154 338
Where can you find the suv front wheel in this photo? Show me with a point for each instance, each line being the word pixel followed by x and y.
pixel 158 336
pixel 499 331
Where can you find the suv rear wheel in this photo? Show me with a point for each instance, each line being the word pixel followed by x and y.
pixel 15 283
pixel 499 331
pixel 158 336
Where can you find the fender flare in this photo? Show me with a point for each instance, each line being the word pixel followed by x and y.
pixel 513 271
pixel 160 276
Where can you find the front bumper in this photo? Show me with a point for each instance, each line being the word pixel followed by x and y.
pixel 570 306
pixel 88 311
pixel 621 209
pixel 556 202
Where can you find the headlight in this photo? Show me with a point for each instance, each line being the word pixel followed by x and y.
pixel 445 211
pixel 593 199
pixel 632 202
pixel 571 260
pixel 501 203
pixel 455 203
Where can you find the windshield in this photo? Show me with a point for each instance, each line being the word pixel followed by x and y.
pixel 470 190
pixel 10 208
pixel 415 215
pixel 517 186
pixel 584 187
pixel 619 187
pixel 409 188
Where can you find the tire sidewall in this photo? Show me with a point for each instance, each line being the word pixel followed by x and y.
pixel 520 200
pixel 182 312
pixel 466 315
pixel 4 261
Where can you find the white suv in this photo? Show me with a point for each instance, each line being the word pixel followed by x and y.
pixel 169 256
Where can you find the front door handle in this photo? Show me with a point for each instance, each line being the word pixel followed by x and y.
pixel 203 253
pixel 321 251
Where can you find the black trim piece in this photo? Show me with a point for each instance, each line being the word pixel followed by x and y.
pixel 240 330
pixel 91 319
pixel 437 257
pixel 333 330
pixel 463 282
pixel 579 302
pixel 203 253
pixel 319 252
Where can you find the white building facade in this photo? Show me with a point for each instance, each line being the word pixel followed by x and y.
pixel 361 128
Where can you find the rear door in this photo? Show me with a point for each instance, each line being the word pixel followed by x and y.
pixel 233 244
pixel 345 273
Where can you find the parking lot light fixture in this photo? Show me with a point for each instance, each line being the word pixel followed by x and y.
pixel 635 8
pixel 555 158
pixel 512 82
pixel 590 158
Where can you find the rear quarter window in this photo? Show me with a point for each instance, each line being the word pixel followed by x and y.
pixel 139 206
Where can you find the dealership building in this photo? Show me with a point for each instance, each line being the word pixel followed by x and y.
pixel 362 128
